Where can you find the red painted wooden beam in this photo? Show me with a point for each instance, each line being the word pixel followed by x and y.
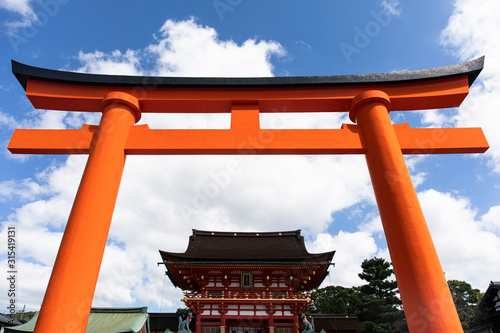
pixel 144 141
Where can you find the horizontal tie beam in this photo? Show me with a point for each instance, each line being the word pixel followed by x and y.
pixel 434 94
pixel 142 140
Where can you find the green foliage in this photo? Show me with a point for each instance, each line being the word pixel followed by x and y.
pixel 376 271
pixel 376 303
pixel 466 301
pixel 335 299
pixel 380 307
pixel 182 311
pixel 27 315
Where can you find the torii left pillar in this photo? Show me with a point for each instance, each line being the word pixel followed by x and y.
pixel 82 247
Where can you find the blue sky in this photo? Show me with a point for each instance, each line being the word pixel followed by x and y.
pixel 328 197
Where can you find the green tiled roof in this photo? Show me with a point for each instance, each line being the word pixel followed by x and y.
pixel 104 320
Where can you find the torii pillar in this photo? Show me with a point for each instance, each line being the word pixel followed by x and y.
pixel 78 261
pixel 409 241
pixel 368 99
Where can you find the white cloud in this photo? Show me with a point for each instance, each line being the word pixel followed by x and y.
pixel 303 44
pixel 491 220
pixel 186 48
pixel 7 121
pixel 116 63
pixel 435 118
pixel 471 33
pixel 352 249
pixel 392 7
pixel 412 163
pixel 24 9
pixel 31 282
pixel 49 119
pixel 467 245
pixel 25 189
pixel 372 226
pixel 21 7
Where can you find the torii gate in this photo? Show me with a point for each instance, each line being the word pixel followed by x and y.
pixel 368 99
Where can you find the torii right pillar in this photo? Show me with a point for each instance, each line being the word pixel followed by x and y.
pixel 427 300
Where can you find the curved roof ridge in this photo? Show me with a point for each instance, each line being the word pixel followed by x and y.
pixel 285 246
pixel 246 233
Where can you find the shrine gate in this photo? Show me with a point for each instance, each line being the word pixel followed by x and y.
pixel 247 281
pixel 368 99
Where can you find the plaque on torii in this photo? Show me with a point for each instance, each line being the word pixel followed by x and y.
pixel 368 99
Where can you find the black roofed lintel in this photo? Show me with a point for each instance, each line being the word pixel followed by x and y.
pixel 24 72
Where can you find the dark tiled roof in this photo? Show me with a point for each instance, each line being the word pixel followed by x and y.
pixel 285 246
pixel 490 294
pixel 6 320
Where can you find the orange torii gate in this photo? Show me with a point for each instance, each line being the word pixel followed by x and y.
pixel 368 99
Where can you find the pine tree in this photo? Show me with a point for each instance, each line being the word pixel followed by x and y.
pixel 380 307
pixel 335 299
pixel 466 301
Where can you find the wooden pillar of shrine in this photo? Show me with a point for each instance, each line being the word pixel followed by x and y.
pixel 424 291
pixel 198 322
pixel 270 320
pixel 222 312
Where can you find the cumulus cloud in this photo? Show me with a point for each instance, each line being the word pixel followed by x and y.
pixel 116 62
pixel 352 249
pixel 25 189
pixel 469 34
pixel 30 284
pixel 26 17
pixel 186 48
pixel 464 241
pixel 491 220
pixel 22 7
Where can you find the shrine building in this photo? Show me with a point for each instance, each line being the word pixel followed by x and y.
pixel 242 282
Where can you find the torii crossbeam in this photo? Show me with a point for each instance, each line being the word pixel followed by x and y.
pixel 368 99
